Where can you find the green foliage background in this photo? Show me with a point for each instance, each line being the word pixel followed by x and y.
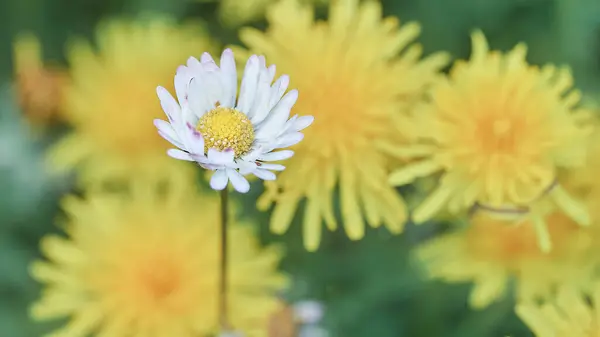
pixel 371 287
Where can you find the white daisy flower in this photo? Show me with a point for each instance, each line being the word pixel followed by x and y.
pixel 231 138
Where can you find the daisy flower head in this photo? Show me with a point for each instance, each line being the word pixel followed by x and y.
pixel 134 265
pixel 111 99
pixel 232 138
pixel 357 73
pixel 497 130
pixel 495 248
pixel 572 314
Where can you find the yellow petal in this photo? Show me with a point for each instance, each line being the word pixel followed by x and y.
pixel 432 205
pixel 411 172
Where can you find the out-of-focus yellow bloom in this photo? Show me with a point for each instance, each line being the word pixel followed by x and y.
pixel 494 248
pixel 351 78
pixel 584 181
pixel 572 314
pixel 235 12
pixel 497 129
pixel 112 103
pixel 147 264
pixel 39 87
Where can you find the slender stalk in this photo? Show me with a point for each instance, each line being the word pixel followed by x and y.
pixel 223 313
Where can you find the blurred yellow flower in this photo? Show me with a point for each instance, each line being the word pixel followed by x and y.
pixel 236 12
pixel 351 78
pixel 495 248
pixel 584 181
pixel 111 102
pixel 39 87
pixel 572 314
pixel 147 264
pixel 497 129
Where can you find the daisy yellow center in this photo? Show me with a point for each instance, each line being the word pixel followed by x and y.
pixel 226 128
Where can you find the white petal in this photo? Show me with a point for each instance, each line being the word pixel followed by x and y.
pixel 183 76
pixel 289 139
pixel 205 91
pixel 249 83
pixel 219 179
pixel 272 70
pixel 192 62
pixel 178 154
pixel 206 58
pixel 246 167
pixel 221 158
pixel 194 140
pixel 302 123
pixel 259 109
pixel 262 61
pixel 167 132
pixel 278 89
pixel 188 117
pixel 238 181
pixel 274 156
pixel 229 74
pixel 168 104
pixel 274 167
pixel 264 174
pixel 253 155
pixel 277 117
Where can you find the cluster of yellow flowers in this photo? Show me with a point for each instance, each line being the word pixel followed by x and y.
pixel 507 146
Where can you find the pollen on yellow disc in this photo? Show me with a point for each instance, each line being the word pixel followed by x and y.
pixel 226 128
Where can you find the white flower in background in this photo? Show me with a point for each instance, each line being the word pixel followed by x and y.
pixel 309 312
pixel 232 138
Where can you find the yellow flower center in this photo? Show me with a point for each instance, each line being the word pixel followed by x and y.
pixel 159 281
pixel 226 128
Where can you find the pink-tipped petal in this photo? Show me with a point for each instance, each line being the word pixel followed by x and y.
pixel 195 141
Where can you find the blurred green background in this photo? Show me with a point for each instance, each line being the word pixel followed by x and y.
pixel 370 287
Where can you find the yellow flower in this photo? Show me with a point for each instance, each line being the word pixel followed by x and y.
pixel 236 12
pixel 39 87
pixel 497 129
pixel 584 181
pixel 111 102
pixel 351 78
pixel 495 248
pixel 571 315
pixel 148 264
